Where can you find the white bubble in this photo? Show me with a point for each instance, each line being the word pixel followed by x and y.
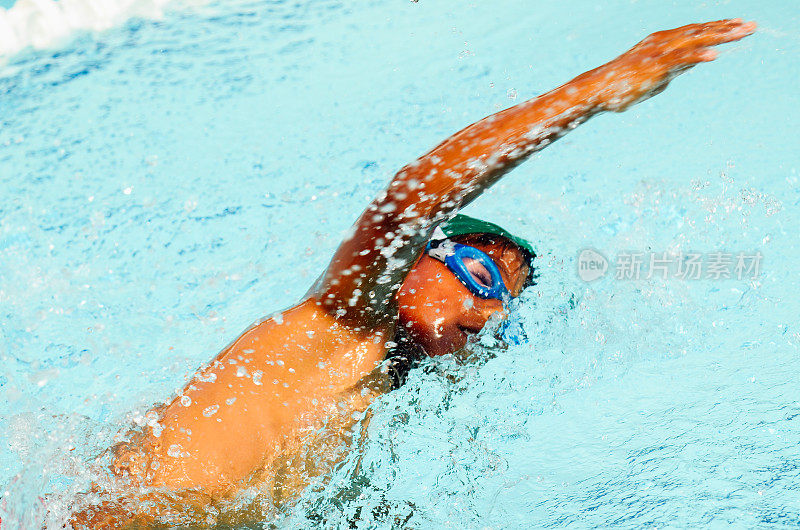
pixel 157 429
pixel 207 378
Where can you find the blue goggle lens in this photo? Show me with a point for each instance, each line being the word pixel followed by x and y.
pixel 471 266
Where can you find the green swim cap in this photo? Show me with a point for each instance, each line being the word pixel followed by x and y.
pixel 463 224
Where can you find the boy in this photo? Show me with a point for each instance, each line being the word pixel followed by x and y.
pixel 403 279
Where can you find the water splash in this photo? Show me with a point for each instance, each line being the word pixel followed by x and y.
pixel 44 23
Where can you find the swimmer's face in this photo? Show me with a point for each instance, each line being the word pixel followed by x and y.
pixel 439 312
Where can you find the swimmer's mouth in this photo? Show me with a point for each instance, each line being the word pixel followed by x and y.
pixel 470 337
pixel 467 332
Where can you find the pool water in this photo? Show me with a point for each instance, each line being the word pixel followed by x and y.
pixel 169 180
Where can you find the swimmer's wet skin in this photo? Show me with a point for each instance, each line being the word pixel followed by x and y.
pixel 253 418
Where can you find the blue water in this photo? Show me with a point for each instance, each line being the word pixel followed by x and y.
pixel 165 183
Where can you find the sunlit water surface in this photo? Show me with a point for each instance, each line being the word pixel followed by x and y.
pixel 165 183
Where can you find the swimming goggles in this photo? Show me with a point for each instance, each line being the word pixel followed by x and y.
pixel 474 268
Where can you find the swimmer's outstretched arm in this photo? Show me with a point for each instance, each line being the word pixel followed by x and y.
pixel 218 452
pixel 370 265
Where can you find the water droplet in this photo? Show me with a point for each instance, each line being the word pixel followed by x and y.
pixel 174 451
pixel 207 378
pixel 241 372
pixel 210 411
pixel 157 429
pixel 186 401
pixel 230 401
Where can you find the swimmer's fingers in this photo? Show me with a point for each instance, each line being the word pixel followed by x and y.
pixel 696 36
pixel 693 45
pixel 720 32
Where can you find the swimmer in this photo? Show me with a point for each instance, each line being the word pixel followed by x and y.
pixel 274 407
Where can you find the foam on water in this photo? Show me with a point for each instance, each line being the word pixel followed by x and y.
pixel 44 23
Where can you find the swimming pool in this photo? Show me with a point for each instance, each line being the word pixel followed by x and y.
pixel 166 182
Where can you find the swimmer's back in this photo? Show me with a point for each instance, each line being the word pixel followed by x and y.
pixel 282 376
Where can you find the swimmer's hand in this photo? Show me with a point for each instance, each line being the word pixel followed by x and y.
pixel 647 68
